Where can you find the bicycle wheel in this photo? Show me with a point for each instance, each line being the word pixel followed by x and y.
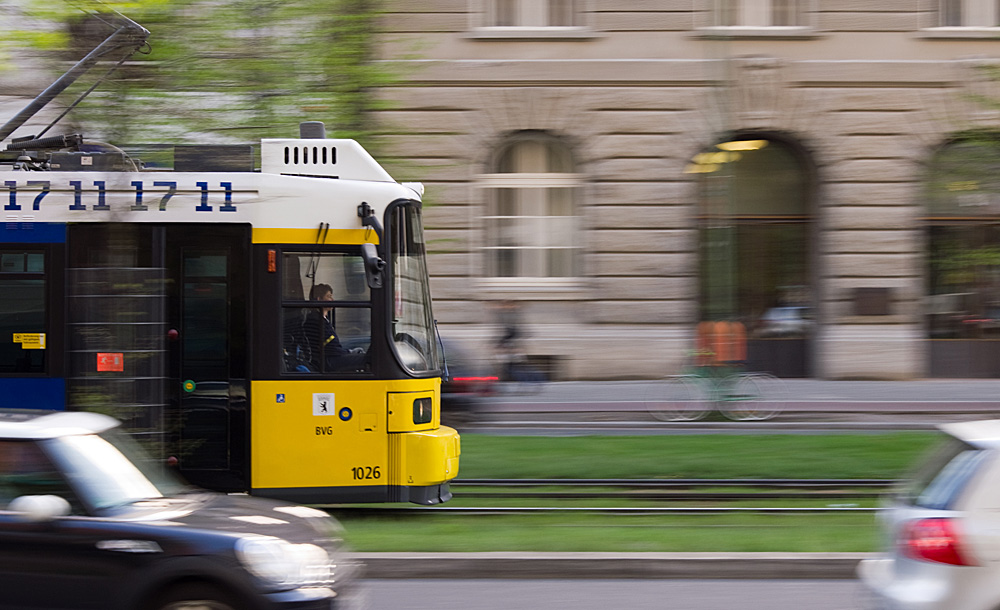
pixel 752 397
pixel 680 398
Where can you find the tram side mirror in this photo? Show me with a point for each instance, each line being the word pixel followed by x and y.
pixel 374 266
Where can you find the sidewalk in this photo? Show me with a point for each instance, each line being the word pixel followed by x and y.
pixel 497 565
pixel 800 395
pixel 933 390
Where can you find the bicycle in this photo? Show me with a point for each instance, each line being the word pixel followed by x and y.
pixel 738 396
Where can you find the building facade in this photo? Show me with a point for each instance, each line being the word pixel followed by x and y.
pixel 819 171
pixel 609 176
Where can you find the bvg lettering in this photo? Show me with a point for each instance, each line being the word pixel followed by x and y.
pixel 324 430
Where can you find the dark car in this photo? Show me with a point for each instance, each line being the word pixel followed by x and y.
pixel 87 521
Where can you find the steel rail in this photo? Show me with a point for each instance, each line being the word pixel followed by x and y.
pixel 676 490
pixel 646 490
pixel 681 483
pixel 524 510
pixel 676 496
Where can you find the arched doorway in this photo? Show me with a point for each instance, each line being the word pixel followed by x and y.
pixel 755 212
pixel 962 225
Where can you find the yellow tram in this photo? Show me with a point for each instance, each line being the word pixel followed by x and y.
pixel 270 328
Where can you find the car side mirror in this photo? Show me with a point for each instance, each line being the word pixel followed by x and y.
pixel 374 265
pixel 39 509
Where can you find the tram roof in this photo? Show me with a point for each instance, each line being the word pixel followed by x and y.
pixel 302 183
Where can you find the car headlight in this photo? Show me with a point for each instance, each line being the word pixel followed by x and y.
pixel 280 562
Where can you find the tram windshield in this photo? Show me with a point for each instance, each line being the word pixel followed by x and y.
pixel 412 320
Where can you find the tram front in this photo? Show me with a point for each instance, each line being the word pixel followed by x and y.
pixel 346 403
pixel 423 453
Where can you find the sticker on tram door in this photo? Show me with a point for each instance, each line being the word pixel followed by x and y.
pixel 323 404
pixel 30 340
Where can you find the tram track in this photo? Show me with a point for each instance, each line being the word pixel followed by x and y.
pixel 680 490
pixel 623 510
pixel 654 496
pixel 681 483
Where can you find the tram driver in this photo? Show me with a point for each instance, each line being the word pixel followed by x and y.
pixel 322 336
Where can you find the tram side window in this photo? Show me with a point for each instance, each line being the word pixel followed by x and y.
pixel 326 313
pixel 22 311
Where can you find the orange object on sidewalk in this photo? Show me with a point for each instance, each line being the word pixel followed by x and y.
pixel 720 343
pixel 704 354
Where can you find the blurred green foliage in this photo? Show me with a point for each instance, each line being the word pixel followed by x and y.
pixel 219 71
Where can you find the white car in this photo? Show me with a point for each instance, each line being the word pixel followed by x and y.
pixel 943 529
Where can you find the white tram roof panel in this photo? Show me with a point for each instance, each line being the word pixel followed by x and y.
pixel 328 158
pixel 301 181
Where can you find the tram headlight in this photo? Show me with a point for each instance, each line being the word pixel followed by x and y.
pixel 283 563
pixel 423 410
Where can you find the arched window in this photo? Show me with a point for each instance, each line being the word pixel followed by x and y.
pixel 531 227
pixel 755 215
pixel 968 13
pixel 532 13
pixel 761 13
pixel 962 221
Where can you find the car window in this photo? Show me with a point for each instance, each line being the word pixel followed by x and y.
pixel 939 480
pixel 25 470
pixel 108 470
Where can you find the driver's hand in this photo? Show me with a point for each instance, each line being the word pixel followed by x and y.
pixel 358 350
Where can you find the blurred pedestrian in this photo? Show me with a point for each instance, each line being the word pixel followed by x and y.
pixel 507 344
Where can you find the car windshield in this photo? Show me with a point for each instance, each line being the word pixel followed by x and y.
pixel 109 469
pixel 938 481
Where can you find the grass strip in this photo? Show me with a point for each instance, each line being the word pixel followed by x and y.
pixel 854 532
pixel 827 456
pixel 815 456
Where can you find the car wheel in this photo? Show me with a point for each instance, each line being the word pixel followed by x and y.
pixel 196 596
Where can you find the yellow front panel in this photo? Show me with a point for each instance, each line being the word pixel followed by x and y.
pixel 430 457
pixel 318 433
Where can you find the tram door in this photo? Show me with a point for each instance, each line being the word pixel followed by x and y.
pixel 157 320
pixel 209 352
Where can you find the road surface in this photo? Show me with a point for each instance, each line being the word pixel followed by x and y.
pixel 617 594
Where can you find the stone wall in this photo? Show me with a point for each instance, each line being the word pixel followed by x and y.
pixel 638 91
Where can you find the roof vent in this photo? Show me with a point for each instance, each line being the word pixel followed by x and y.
pixel 344 159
